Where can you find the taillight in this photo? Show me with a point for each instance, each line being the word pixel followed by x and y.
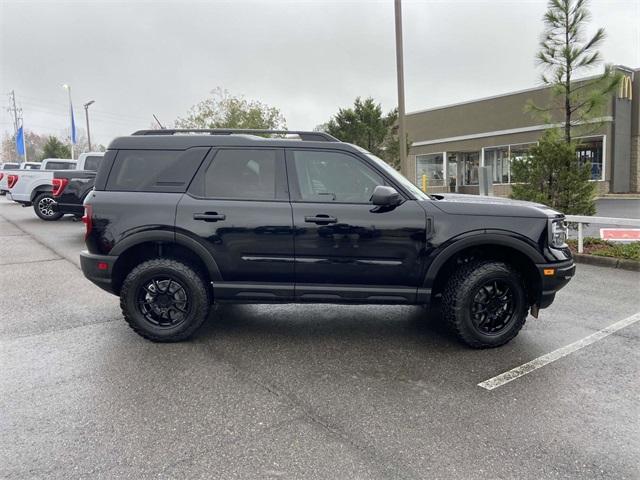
pixel 12 180
pixel 59 184
pixel 1 175
pixel 87 220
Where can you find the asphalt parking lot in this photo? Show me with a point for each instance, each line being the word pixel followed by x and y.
pixel 302 392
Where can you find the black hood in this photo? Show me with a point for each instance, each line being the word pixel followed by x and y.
pixel 459 204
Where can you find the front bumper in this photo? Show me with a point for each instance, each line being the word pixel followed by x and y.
pixel 98 269
pixel 554 276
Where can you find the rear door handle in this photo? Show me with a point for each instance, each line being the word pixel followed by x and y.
pixel 209 216
pixel 321 219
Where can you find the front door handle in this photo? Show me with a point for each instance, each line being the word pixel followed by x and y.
pixel 321 219
pixel 209 216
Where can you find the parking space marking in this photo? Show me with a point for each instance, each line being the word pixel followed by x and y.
pixel 540 362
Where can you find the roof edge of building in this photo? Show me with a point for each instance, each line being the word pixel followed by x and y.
pixel 508 94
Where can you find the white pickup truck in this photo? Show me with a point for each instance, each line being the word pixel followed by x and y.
pixel 5 170
pixel 35 188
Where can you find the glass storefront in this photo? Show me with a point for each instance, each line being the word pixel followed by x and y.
pixel 470 164
pixel 433 167
pixel 500 163
pixel 589 151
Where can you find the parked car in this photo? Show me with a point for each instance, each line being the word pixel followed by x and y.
pixel 4 174
pixel 70 187
pixel 177 222
pixel 33 187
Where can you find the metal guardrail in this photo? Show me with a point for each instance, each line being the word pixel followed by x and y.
pixel 582 219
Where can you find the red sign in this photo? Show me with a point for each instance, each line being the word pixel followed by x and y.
pixel 620 234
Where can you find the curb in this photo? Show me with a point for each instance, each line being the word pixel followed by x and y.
pixel 620 263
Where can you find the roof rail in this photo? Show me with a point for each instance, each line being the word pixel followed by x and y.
pixel 304 135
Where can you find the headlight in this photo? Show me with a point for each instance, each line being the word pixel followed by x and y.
pixel 558 233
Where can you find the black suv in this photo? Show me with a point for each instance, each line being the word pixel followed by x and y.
pixel 180 219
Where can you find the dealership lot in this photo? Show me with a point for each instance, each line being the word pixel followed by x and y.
pixel 301 391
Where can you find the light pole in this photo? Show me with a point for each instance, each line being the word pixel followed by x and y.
pixel 402 137
pixel 71 120
pixel 86 114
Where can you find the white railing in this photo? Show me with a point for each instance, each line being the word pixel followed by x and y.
pixel 582 219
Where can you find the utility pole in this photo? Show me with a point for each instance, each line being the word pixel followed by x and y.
pixel 14 111
pixel 86 114
pixel 402 136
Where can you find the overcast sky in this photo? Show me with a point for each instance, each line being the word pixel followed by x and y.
pixel 308 58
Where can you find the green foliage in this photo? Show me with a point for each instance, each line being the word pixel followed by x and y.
pixel 54 148
pixel 550 174
pixel 603 248
pixel 566 52
pixel 367 126
pixel 221 110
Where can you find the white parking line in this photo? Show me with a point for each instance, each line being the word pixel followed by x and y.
pixel 539 362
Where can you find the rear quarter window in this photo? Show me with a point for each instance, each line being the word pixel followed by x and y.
pixel 154 170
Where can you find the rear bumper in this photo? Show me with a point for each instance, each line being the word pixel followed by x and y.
pixel 554 277
pixel 98 269
pixel 68 208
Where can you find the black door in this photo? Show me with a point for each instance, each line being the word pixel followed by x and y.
pixel 347 249
pixel 238 207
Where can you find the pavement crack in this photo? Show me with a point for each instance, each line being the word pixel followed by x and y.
pixel 35 261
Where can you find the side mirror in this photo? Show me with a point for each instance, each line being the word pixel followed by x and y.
pixel 384 196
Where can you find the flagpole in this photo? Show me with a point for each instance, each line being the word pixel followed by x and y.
pixel 24 145
pixel 68 88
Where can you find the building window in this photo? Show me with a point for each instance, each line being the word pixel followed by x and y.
pixel 589 152
pixel 470 165
pixel 452 171
pixel 500 163
pixel 433 167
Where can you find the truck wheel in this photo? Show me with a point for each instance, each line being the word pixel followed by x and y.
pixel 164 300
pixel 43 204
pixel 484 303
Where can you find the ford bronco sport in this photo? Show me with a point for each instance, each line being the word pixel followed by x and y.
pixel 181 219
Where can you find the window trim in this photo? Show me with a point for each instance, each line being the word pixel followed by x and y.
pixel 197 186
pixel 292 176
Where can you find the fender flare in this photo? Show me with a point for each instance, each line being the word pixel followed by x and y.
pixel 170 237
pixel 481 238
pixel 39 189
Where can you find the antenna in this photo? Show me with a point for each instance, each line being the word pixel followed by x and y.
pixel 158 121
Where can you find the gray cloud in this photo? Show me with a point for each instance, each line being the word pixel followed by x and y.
pixel 308 57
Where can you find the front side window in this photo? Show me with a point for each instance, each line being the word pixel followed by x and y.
pixel 431 166
pixel 242 174
pixel 324 176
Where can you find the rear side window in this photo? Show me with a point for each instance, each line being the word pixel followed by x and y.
pixel 60 166
pixel 243 174
pixel 154 170
pixel 92 163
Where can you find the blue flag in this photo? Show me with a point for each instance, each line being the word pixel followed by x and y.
pixel 20 141
pixel 73 127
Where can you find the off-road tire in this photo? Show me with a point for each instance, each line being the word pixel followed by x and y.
pixel 196 289
pixel 460 290
pixel 42 204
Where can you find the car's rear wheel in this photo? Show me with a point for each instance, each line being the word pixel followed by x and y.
pixel 484 303
pixel 164 300
pixel 43 206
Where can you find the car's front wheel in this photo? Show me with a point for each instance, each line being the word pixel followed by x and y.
pixel 43 206
pixel 164 300
pixel 484 303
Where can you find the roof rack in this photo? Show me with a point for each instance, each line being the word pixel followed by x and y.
pixel 304 135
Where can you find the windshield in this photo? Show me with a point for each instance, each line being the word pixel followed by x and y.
pixel 397 176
